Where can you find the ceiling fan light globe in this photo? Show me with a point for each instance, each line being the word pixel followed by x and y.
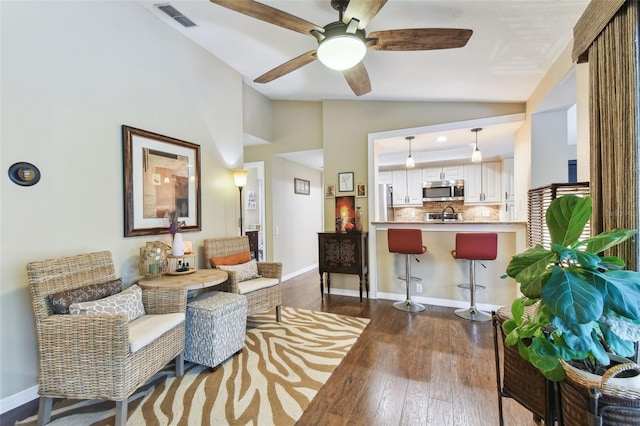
pixel 476 157
pixel 341 52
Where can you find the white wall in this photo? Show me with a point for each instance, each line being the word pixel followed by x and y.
pixel 549 148
pixel 72 74
pixel 297 218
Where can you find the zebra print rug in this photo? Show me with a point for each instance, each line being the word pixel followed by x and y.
pixel 271 382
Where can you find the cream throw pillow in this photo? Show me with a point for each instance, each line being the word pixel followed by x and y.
pixel 244 271
pixel 128 302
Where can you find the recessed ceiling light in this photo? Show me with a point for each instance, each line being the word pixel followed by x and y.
pixel 441 138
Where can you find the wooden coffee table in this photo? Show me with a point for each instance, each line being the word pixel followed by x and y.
pixel 201 278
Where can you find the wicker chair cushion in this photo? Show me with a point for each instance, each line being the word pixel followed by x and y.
pixel 127 302
pixel 244 271
pixel 61 301
pixel 256 284
pixel 232 259
pixel 147 328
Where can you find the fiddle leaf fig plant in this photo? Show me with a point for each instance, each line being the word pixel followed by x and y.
pixel 586 304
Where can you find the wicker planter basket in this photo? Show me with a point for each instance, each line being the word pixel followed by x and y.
pixel 520 380
pixel 586 400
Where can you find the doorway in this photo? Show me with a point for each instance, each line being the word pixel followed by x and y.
pixel 254 205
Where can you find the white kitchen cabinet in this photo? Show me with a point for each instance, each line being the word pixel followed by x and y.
pixel 385 177
pixel 407 187
pixel 442 173
pixel 507 180
pixel 483 183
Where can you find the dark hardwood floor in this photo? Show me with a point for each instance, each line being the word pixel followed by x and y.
pixel 426 368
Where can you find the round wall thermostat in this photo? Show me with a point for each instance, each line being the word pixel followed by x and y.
pixel 24 174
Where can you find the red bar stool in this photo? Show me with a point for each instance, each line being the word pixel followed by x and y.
pixel 472 247
pixel 407 242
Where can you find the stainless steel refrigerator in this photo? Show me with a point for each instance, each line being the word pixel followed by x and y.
pixel 385 202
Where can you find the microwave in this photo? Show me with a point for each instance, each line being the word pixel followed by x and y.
pixel 443 190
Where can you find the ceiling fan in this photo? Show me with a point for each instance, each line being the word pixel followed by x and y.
pixel 343 44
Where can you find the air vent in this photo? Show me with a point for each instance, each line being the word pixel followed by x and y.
pixel 175 14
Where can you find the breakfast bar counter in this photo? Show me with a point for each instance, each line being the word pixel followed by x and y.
pixel 439 271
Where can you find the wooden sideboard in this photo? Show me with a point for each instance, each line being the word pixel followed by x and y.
pixel 343 253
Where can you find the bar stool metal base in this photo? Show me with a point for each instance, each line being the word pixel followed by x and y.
pixel 473 314
pixel 409 306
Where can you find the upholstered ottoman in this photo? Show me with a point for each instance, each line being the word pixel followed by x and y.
pixel 215 328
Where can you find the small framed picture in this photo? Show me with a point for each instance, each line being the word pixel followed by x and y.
pixel 361 190
pixel 301 186
pixel 330 191
pixel 345 182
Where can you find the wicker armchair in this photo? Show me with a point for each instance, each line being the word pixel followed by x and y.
pixel 88 356
pixel 259 300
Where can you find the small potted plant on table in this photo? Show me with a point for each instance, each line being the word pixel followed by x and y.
pixel 588 306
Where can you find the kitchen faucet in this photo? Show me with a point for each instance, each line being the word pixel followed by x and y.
pixel 445 209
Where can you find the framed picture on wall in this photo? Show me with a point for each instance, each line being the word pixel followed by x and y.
pixel 330 191
pixel 361 190
pixel 345 182
pixel 301 186
pixel 161 174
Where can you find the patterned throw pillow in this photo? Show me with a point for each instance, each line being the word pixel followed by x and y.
pixel 232 259
pixel 61 301
pixel 128 302
pixel 245 271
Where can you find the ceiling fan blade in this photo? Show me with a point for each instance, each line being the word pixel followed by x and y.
pixel 358 79
pixel 419 39
pixel 269 14
pixel 287 67
pixel 362 10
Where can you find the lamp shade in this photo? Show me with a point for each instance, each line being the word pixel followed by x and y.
pixel 341 52
pixel 409 164
pixel 240 177
pixel 476 157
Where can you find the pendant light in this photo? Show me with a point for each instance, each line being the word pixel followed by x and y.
pixel 410 163
pixel 476 157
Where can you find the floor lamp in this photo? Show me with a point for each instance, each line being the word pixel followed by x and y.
pixel 240 178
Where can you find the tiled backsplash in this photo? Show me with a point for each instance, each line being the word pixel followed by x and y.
pixel 483 213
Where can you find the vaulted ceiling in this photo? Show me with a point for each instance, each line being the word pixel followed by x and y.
pixel 514 43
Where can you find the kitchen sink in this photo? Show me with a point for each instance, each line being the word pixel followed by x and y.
pixel 443 217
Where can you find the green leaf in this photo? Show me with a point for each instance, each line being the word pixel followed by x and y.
pixel 620 290
pixel 524 351
pixel 565 254
pixel 598 351
pixel 556 374
pixel 616 344
pixel 566 218
pixel 532 289
pixel 611 263
pixel 569 297
pixel 517 310
pixel 544 347
pixel 607 239
pixel 512 338
pixel 508 326
pixel 588 260
pixel 533 259
pixel 573 337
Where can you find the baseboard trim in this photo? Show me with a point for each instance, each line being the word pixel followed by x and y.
pixel 18 399
pixel 425 300
pixel 300 272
